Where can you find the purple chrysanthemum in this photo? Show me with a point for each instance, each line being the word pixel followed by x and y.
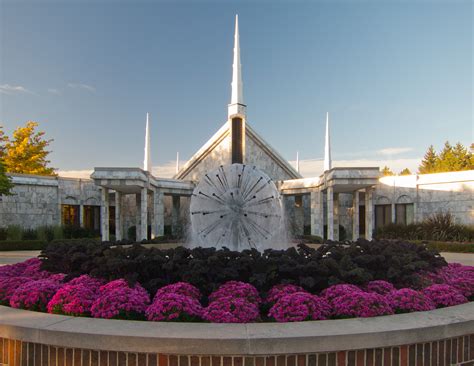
pixel 231 310
pixel 444 295
pixel 299 306
pixel 174 307
pixel 407 300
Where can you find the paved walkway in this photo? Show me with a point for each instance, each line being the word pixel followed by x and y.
pixel 20 256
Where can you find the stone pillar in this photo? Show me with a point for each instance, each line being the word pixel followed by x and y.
pixel 144 214
pixel 81 215
pixel 158 226
pixel 104 214
pixel 369 213
pixel 355 215
pixel 330 208
pixel 393 213
pixel 175 209
pixel 336 216
pixel 118 216
pixel 317 214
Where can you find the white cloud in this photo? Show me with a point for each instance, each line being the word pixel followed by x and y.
pixel 82 86
pixel 54 91
pixel 12 89
pixel 84 174
pixel 394 150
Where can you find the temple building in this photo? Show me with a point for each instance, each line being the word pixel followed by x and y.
pixel 341 203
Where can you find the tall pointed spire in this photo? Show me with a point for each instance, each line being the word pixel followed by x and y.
pixel 327 147
pixel 147 159
pixel 298 161
pixel 237 105
pixel 177 162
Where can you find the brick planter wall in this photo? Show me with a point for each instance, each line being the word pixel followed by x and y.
pixel 439 337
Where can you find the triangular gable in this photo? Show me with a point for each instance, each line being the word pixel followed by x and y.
pixel 217 151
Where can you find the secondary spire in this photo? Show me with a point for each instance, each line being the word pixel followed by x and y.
pixel 237 105
pixel 327 147
pixel 298 161
pixel 147 158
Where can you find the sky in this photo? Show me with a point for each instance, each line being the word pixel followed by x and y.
pixel 395 76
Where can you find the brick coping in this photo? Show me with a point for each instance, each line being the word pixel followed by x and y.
pixel 244 339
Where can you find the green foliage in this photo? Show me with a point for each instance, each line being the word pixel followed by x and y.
pixel 405 171
pixel 449 247
pixel 5 181
pixel 11 245
pixel 438 227
pixel 207 268
pixel 29 234
pixel 26 152
pixel 450 159
pixel 14 232
pixel 58 232
pixel 386 171
pixel 45 233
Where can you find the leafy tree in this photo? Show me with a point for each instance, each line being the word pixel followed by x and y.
pixel 463 159
pixel 405 171
pixel 386 171
pixel 5 181
pixel 3 141
pixel 429 162
pixel 26 151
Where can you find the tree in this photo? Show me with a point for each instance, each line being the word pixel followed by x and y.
pixel 405 171
pixel 429 162
pixel 3 141
pixel 5 181
pixel 26 151
pixel 463 159
pixel 386 171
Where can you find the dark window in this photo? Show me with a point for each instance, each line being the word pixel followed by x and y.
pixel 298 201
pixel 383 215
pixel 70 215
pixel 404 213
pixel 237 154
pixel 92 217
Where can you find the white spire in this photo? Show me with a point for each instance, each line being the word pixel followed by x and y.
pixel 177 162
pixel 236 105
pixel 298 161
pixel 147 159
pixel 327 147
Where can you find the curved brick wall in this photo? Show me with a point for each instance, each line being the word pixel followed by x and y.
pixel 440 337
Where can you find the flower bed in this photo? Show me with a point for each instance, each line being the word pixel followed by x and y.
pixel 27 285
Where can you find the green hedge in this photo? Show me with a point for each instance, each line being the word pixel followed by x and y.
pixel 449 247
pixel 9 245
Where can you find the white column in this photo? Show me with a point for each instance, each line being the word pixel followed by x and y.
pixel 393 213
pixel 104 214
pixel 317 214
pixel 81 215
pixel 158 227
pixel 118 216
pixel 144 214
pixel 330 209
pixel 369 213
pixel 355 215
pixel 336 216
pixel 176 203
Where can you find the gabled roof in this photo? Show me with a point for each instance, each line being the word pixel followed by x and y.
pixel 220 135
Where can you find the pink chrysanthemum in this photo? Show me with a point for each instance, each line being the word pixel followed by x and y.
pixel 336 291
pixel 34 295
pixel 360 304
pixel 299 306
pixel 174 307
pixel 278 291
pixel 236 289
pixel 231 310
pixel 407 300
pixel 380 287
pixel 182 288
pixel 444 295
pixel 8 286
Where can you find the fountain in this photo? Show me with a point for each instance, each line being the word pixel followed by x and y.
pixel 236 206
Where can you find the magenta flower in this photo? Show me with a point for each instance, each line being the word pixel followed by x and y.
pixel 18 269
pixel 174 307
pixel 407 300
pixel 278 291
pixel 118 300
pixel 299 306
pixel 380 287
pixel 34 295
pixel 236 289
pixel 444 295
pixel 456 275
pixel 360 304
pixel 231 310
pixel 182 288
pixel 76 297
pixel 336 291
pixel 8 286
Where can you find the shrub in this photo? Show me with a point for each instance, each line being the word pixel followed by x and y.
pixel 8 286
pixel 14 232
pixel 236 289
pixel 9 245
pixel 231 310
pixel 360 304
pixel 380 287
pixel 58 233
pixel 34 295
pixel 456 275
pixel 333 292
pixel 407 300
pixel 180 288
pixel 444 295
pixel 18 269
pixel 299 306
pixel 3 233
pixel 117 300
pixel 45 233
pixel 29 234
pixel 174 307
pixel 75 298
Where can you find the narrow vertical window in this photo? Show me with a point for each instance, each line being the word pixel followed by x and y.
pixel 237 153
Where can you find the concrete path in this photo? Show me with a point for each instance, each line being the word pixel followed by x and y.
pixel 20 256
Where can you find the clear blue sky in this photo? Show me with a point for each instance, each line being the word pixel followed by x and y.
pixel 392 74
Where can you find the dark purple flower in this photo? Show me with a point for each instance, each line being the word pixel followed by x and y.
pixel 299 306
pixel 407 300
pixel 231 310
pixel 444 295
pixel 174 307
